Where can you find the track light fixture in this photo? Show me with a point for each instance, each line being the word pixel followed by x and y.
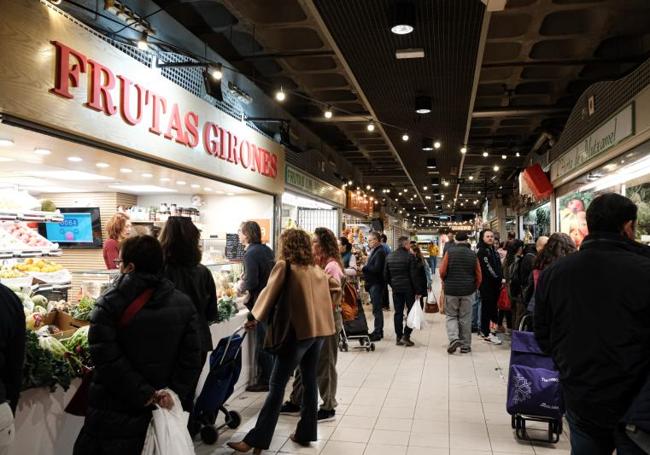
pixel 423 104
pixel 143 42
pixel 216 71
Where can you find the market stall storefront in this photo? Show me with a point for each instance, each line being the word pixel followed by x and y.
pixel 92 131
pixel 309 202
pixel 614 157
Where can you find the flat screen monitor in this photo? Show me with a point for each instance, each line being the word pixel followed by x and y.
pixel 81 228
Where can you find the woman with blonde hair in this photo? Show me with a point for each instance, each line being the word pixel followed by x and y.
pixel 309 292
pixel 118 229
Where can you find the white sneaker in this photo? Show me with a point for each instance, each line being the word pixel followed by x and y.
pixel 493 339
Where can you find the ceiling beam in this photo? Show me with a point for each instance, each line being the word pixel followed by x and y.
pixel 287 54
pixel 567 62
pixel 520 111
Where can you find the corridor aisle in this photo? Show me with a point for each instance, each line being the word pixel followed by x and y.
pixel 409 401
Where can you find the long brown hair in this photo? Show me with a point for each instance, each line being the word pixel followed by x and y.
pixel 328 246
pixel 558 245
pixel 295 247
pixel 116 225
pixel 418 253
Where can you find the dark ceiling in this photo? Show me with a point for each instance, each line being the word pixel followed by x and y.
pixel 539 57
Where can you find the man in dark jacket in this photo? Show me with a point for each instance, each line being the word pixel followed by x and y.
pixel 519 284
pixel 258 263
pixel 12 356
pixel 137 352
pixel 592 314
pixel 373 275
pixel 400 273
pixel 490 285
pixel 461 274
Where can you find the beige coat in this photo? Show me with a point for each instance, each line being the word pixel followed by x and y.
pixel 311 293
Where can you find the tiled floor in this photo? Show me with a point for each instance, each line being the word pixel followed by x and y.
pixel 408 401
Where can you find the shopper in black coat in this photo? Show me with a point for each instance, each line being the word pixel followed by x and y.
pixel 12 355
pixel 258 263
pixel 592 314
pixel 158 348
pixel 373 275
pixel 401 274
pixel 491 283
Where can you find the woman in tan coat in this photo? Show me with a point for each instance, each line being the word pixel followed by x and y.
pixel 310 292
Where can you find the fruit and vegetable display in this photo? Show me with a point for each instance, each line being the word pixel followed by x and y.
pixel 25 235
pixel 38 266
pixel 226 296
pixel 83 309
pixel 46 364
pixel 11 272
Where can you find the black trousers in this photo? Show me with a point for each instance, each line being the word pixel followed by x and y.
pixel 489 311
pixel 402 301
pixel 304 353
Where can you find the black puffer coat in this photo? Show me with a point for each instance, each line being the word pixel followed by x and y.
pixel 159 348
pixel 197 283
pixel 12 346
pixel 400 271
pixel 420 277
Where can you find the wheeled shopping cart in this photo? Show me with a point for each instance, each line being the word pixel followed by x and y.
pixel 356 330
pixel 225 366
pixel 534 391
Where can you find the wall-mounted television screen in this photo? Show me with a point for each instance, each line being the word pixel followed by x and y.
pixel 81 228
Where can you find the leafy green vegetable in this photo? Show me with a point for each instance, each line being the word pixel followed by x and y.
pixel 43 368
pixel 78 346
pixel 83 309
pixel 226 308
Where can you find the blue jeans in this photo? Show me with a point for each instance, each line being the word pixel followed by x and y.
pixel 589 440
pixel 305 354
pixel 402 300
pixel 476 312
pixel 376 297
pixel 433 262
pixel 263 359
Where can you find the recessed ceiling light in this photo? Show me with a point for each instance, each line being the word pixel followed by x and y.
pixel 405 137
pixel 496 168
pixel 423 104
pixel 427 146
pixel 485 154
pixel 230 194
pixel 6 142
pixel 471 177
pixel 136 189
pixel 102 165
pixel 69 175
pixel 194 185
pixel 42 152
pixel 4 159
pixel 425 188
pixel 74 159
pixel 479 192
pixel 517 154
pixel 437 145
pixel 402 20
pixel 206 188
pixel 126 170
pixel 370 127
pixel 328 113
pixel 181 182
pixel 165 179
pixel 403 54
pixel 146 175
pixel 463 150
pixel 503 157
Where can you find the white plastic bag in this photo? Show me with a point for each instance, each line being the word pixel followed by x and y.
pixel 167 433
pixel 415 319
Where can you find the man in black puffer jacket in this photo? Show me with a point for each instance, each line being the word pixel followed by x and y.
pixel 12 356
pixel 136 357
pixel 592 314
pixel 401 274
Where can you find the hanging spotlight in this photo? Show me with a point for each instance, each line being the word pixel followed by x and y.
pixel 402 21
pixel 503 157
pixel 427 146
pixel 446 183
pixel 437 145
pixel 212 85
pixel 423 104
pixel 328 113
pixel 143 43
pixel 405 137
pixel 431 163
pixel 370 127
pixel 367 187
pixel 280 95
pixel 425 187
pixel 463 150
pixel 471 177
pixel 216 71
pixel 485 154
pixel 350 182
pixel 496 168
pixel 517 154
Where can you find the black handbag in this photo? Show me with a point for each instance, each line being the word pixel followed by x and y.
pixel 280 335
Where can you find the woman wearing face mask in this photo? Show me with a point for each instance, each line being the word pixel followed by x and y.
pixel 490 285
pixel 144 337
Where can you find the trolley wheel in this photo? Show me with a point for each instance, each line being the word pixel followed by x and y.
pixel 344 347
pixel 209 435
pixel 372 347
pixel 513 421
pixel 519 423
pixel 234 419
pixel 362 341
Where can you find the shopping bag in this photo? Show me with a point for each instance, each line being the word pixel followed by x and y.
pixel 431 306
pixel 415 318
pixel 167 433
pixel 504 303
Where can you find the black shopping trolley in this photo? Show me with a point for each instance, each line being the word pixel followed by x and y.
pixel 225 366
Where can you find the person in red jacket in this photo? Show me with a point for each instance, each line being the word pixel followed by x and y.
pixel 118 229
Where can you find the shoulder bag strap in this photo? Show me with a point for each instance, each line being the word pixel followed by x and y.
pixel 135 307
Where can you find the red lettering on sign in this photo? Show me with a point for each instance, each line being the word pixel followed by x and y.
pixel 244 154
pixel 66 73
pixel 192 127
pixel 256 158
pixel 175 125
pixel 102 81
pixel 274 166
pixel 125 101
pixel 211 145
pixel 159 103
pixel 225 141
pixel 232 148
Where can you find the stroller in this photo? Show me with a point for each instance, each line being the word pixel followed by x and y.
pixel 356 329
pixel 534 391
pixel 225 366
